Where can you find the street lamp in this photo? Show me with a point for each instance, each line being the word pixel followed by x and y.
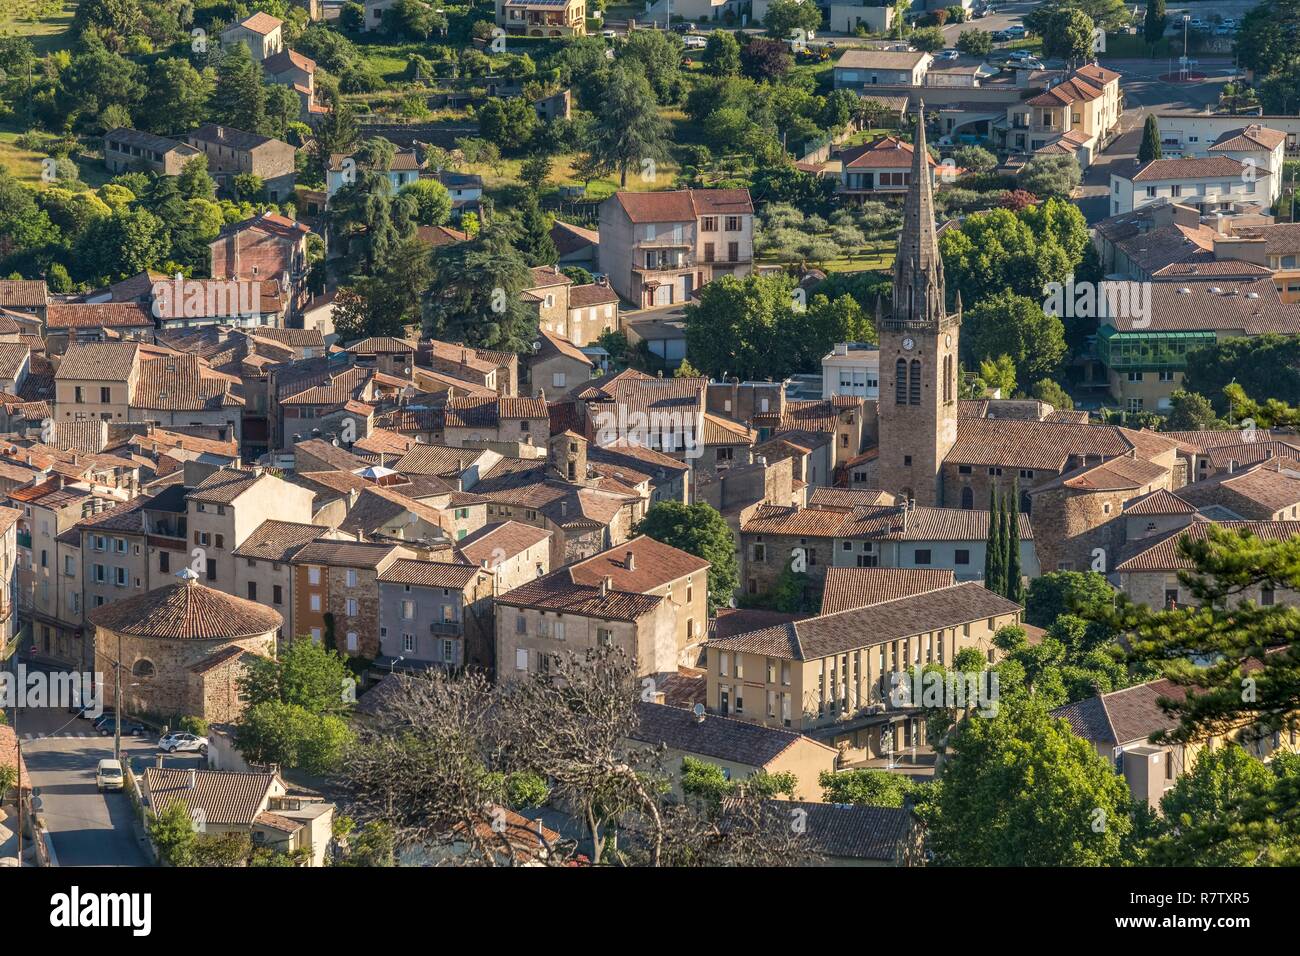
pixel 1187 17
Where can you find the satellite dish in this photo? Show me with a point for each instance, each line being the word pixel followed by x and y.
pixel 537 346
pixel 698 710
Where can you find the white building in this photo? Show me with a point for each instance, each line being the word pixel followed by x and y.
pixel 1252 145
pixel 852 368
pixel 1211 184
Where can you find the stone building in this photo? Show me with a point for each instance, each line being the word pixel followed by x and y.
pixel 336 591
pixel 181 648
pixel 435 613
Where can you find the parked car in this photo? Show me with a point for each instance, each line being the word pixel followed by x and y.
pixel 1020 55
pixel 108 717
pixel 1015 31
pixel 608 34
pixel 947 55
pixel 130 728
pixel 694 41
pixel 183 742
pixel 1001 36
pixel 109 775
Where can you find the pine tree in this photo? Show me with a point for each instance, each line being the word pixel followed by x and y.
pixel 1015 590
pixel 995 554
pixel 1153 27
pixel 1150 148
pixel 535 235
pixel 239 99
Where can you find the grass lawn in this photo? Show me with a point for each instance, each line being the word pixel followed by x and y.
pixel 23 164
pixel 44 22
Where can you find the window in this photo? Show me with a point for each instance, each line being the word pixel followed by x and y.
pixel 961 556
pixel 277 594
pixel 408 612
pixel 315 635
pixel 313 575
pixel 352 607
pixel 352 577
pixel 558 631
pixel 967 498
pixel 315 602
pixel 521 659
pixel 922 556
pixel 408 643
pixel 1266 596
pixel 733 224
pixel 559 380
pixel 220 540
pixel 252 590
pixel 352 641
pixel 900 382
pixel 142 668
pixel 212 569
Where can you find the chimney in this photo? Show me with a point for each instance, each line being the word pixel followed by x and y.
pixel 158 762
pixel 604 586
pixel 629 560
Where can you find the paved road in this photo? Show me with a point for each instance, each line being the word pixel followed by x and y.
pixel 86 827
pixel 1145 92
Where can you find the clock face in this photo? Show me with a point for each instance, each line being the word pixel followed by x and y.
pixel 908 344
pixel 947 340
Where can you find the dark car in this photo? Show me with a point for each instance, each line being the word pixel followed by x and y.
pixel 683 27
pixel 130 728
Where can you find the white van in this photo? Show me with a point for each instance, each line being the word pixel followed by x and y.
pixel 109 776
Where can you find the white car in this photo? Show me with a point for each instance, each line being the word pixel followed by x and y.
pixel 695 42
pixel 947 55
pixel 183 742
pixel 608 34
pixel 1020 55
pixel 109 775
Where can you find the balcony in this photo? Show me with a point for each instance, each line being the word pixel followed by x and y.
pixel 24 539
pixel 446 628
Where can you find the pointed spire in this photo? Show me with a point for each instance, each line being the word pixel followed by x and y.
pixel 918 269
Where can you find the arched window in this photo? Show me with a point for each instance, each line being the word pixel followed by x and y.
pixel 967 498
pixel 947 378
pixel 914 384
pixel 143 668
pixel 900 382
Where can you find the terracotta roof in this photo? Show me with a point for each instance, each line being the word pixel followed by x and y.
pixel 23 293
pixel 1251 305
pixel 260 22
pixel 1266 487
pixel 1077 88
pixel 1114 474
pixel 837 633
pixel 501 540
pixel 225 797
pixel 8 517
pixel 735 741
pixel 1123 716
pixel 885 522
pixel 1159 502
pixel 1250 138
pixel 1160 170
pixel 186 611
pixel 848 831
pixel 569 238
pixel 731 621
pixel 224 486
pixel 429 574
pixel 436 460
pixel 111 315
pixel 1161 554
pixel 98 361
pixel 12 357
pixel 847 588
pixel 279 62
pixel 887 153
pixel 654 565
pixel 592 293
pixel 381 345
pixel 879 60
pixel 724 431
pixel 488 412
pixel 1029 444
pixel 521 833
pixel 683 205
pixel 1280 238
pixel 377 506
pixel 850 498
pixel 278 540
pixel 345 554
pixel 440 235
pixel 181 383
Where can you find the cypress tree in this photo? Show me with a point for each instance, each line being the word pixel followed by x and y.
pixel 1015 587
pixel 995 552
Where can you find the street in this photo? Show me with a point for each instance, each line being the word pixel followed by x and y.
pixel 86 828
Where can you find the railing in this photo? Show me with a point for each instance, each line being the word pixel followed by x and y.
pixel 447 628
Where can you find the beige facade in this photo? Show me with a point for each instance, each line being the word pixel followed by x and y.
pixel 221 517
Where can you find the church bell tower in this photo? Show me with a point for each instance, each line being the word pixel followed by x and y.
pixel 918 351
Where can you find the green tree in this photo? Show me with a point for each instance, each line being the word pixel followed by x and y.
pixel 975 42
pixel 535 234
pixel 508 124
pixel 123 244
pixel 1020 789
pixel 1150 148
pixel 336 132
pixel 700 530
pixel 722 54
pixel 658 56
pixel 629 133
pixel 305 674
pixel 995 552
pixel 784 17
pixel 292 736
pixel 1015 590
pixel 432 201
pixel 1046 176
pixel 740 327
pixel 239 99
pixel 366 216
pixel 866 787
pixel 1261 365
pixel 1017 326
pixel 1153 26
pixel 928 39
pixel 1046 390
pixel 709 783
pixel 172 834
pixel 999 374
pixel 1189 412
pixel 1056 593
pixel 474 294
pixel 194 182
pixel 176 96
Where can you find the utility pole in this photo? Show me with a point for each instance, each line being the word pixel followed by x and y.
pixel 117 702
